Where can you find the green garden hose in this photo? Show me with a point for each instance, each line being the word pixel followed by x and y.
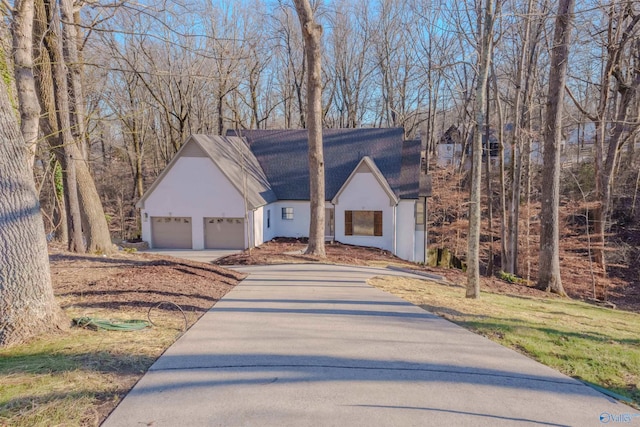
pixel 111 325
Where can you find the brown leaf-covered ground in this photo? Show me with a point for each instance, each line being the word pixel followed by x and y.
pixel 581 277
pixel 137 281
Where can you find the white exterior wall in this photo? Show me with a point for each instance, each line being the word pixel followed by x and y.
pixel 259 221
pixel 405 229
pixel 449 154
pixel 296 227
pixel 270 232
pixel 196 188
pixel 364 193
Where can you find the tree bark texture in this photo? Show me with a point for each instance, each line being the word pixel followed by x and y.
pixel 84 207
pixel 27 305
pixel 484 64
pixel 549 270
pixel 22 33
pixel 312 34
pixel 48 119
pixel 489 187
pixel 72 58
pixel 71 155
pixel 503 188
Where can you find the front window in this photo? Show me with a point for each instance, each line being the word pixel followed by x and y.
pixel 287 213
pixel 363 223
pixel 269 218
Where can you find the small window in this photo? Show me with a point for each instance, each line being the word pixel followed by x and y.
pixel 287 213
pixel 363 223
pixel 269 218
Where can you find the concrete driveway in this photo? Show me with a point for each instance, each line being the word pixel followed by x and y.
pixel 207 255
pixel 314 345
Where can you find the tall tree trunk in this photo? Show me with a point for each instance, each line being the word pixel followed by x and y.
pixel 312 33
pixel 48 119
pixel 22 32
pixel 71 156
pixel 84 207
pixel 485 31
pixel 549 265
pixel 489 187
pixel 72 58
pixel 511 261
pixel 503 189
pixel 27 305
pixel 94 219
pixel 61 232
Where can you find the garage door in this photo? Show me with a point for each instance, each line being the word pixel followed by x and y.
pixel 224 233
pixel 171 232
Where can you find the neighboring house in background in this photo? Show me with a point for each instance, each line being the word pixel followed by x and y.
pixel 449 148
pixel 236 192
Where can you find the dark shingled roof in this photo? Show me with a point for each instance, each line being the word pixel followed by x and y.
pixel 283 155
pixel 410 172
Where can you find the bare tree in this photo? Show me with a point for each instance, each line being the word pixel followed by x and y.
pixel 312 34
pixel 290 66
pixel 351 43
pixel 549 270
pixel 615 119
pixel 486 20
pixel 22 33
pixel 81 196
pixel 27 305
pixel 59 94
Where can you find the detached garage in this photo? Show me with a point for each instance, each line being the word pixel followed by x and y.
pixel 171 232
pixel 224 233
pixel 201 198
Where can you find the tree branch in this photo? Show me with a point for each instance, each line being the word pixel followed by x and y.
pixel 580 107
pixel 7 5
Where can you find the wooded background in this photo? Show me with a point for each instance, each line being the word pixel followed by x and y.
pixel 108 91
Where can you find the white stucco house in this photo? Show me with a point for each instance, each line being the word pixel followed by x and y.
pixel 241 190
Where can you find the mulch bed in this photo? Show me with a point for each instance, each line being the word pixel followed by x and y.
pixel 138 281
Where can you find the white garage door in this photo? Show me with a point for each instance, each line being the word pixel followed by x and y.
pixel 171 232
pixel 224 233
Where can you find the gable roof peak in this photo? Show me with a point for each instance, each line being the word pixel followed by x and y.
pixel 370 164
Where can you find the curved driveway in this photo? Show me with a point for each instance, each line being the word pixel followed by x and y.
pixel 314 345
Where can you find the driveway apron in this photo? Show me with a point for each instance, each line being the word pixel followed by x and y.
pixel 314 345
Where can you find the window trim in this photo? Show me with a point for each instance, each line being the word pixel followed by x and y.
pixel 377 223
pixel 287 213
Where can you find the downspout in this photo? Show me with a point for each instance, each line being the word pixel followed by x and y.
pixel 395 228
pixel 244 195
pixel 424 231
pixel 333 237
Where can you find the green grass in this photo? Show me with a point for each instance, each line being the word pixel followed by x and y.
pixel 76 377
pixel 590 343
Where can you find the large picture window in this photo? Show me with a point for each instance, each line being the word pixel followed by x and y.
pixel 363 223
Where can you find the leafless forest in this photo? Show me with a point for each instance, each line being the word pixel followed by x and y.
pixel 108 91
